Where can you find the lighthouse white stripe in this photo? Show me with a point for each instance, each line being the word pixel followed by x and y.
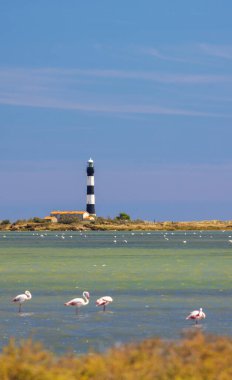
pixel 90 180
pixel 91 199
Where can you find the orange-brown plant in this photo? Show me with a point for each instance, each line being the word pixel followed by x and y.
pixel 195 357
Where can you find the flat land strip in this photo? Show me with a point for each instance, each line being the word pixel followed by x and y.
pixel 106 225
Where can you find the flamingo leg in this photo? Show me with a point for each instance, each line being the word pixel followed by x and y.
pixel 77 310
pixel 20 308
pixel 104 308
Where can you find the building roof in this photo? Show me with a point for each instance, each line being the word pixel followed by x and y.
pixel 68 212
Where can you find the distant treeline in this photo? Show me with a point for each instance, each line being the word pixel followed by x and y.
pixel 197 357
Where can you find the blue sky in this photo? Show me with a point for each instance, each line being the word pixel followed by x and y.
pixel 142 87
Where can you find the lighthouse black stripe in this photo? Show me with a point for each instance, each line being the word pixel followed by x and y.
pixel 90 171
pixel 90 209
pixel 90 189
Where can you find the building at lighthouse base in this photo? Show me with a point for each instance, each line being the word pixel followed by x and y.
pixel 56 216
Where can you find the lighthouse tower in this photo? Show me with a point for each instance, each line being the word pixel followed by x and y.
pixel 90 201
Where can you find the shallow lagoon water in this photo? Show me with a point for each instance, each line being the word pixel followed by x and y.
pixel 155 279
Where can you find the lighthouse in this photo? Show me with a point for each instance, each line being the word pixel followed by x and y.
pixel 90 200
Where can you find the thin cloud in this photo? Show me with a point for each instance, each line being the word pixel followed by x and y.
pixel 64 89
pixel 159 77
pixel 152 76
pixel 153 52
pixel 38 102
pixel 196 54
pixel 218 51
pixel 45 76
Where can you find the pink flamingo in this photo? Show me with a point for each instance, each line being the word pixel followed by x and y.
pixel 21 298
pixel 103 301
pixel 197 315
pixel 78 302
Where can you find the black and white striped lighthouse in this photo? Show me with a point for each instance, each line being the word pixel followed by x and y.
pixel 90 201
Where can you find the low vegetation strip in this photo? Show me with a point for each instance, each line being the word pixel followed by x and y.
pixel 107 224
pixel 196 357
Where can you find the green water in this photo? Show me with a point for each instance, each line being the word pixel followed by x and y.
pixel 154 278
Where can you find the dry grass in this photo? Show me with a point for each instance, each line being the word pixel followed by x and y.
pixel 121 226
pixel 196 357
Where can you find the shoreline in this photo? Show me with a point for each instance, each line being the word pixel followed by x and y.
pixel 216 225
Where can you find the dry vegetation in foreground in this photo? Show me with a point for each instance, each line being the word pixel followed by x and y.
pixel 196 357
pixel 103 224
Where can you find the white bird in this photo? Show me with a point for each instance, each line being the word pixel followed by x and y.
pixel 197 315
pixel 78 302
pixel 21 298
pixel 103 301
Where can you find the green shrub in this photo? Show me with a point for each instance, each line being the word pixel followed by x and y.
pixel 38 220
pixel 5 221
pixel 69 219
pixel 123 216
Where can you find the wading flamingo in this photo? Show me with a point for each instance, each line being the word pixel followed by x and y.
pixel 78 302
pixel 22 298
pixel 196 315
pixel 103 301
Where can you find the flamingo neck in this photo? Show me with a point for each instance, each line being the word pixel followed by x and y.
pixel 85 298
